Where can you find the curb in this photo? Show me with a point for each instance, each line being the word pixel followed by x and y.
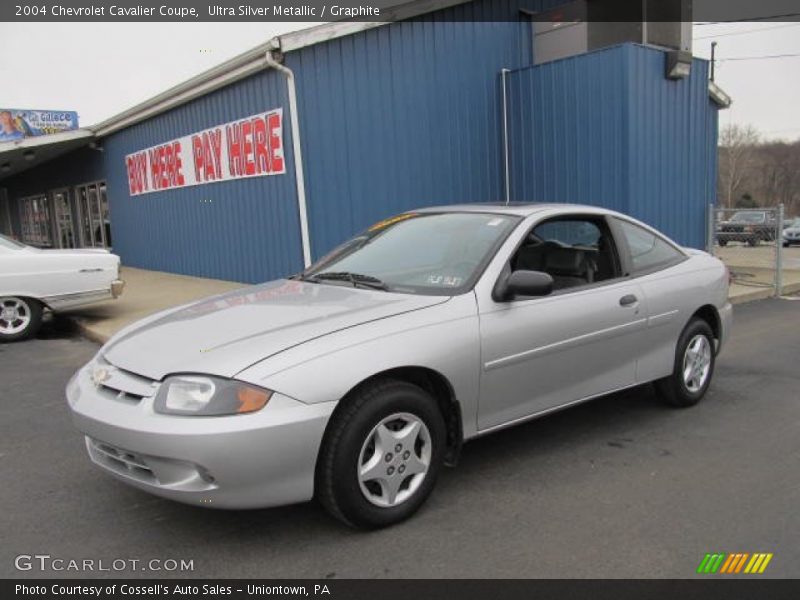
pixel 763 294
pixel 85 329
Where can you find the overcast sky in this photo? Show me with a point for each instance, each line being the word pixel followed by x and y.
pixel 102 69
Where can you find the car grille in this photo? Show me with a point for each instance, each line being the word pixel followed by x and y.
pixel 118 384
pixel 122 461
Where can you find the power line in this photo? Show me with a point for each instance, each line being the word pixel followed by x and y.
pixel 749 19
pixel 708 37
pixel 758 57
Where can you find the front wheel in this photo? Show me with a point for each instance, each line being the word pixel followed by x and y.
pixel 693 369
pixel 20 318
pixel 381 455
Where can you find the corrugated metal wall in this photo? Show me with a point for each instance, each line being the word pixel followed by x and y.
pixel 567 123
pixel 405 115
pixel 672 145
pixel 607 128
pixel 244 230
pixel 409 114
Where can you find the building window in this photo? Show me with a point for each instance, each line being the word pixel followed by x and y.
pixel 5 214
pixel 67 217
pixel 35 222
pixel 94 226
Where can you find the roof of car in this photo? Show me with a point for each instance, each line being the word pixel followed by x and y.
pixel 522 209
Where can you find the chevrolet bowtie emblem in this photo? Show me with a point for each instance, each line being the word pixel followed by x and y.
pixel 99 375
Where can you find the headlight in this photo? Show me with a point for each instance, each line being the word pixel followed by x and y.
pixel 208 396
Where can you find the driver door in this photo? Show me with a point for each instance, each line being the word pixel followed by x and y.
pixel 582 340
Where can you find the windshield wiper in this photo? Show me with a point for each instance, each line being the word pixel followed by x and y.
pixel 356 279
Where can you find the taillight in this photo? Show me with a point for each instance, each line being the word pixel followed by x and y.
pixel 729 274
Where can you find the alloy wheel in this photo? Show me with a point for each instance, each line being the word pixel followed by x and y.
pixel 696 363
pixel 394 460
pixel 15 315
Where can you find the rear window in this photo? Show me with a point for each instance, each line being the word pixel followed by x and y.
pixel 749 217
pixel 647 250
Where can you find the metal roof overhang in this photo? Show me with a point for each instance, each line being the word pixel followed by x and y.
pixel 253 61
pixel 16 157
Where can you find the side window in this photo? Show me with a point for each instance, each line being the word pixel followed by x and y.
pixel 574 251
pixel 648 251
pixel 570 233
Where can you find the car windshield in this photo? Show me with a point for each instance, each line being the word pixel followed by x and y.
pixel 7 243
pixel 748 217
pixel 416 253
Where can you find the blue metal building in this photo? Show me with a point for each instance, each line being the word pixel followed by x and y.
pixel 381 118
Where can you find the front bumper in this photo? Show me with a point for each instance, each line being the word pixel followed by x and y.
pixel 736 236
pixel 240 461
pixel 117 286
pixel 791 239
pixel 726 322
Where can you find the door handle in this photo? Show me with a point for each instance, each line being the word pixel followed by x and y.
pixel 628 300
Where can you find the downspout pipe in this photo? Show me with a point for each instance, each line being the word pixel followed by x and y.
pixel 299 176
pixel 507 177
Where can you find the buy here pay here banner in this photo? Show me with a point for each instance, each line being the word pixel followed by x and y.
pixel 249 147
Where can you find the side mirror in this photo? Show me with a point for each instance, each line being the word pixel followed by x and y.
pixel 523 283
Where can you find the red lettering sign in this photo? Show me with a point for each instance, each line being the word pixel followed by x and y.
pixel 244 148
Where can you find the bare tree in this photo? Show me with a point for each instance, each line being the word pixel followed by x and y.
pixel 780 174
pixel 737 147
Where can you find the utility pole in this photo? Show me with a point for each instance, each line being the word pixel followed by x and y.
pixel 713 52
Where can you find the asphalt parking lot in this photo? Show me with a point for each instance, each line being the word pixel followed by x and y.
pixel 619 487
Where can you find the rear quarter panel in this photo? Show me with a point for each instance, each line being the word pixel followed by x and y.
pixel 673 296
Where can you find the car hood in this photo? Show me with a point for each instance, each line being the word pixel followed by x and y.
pixel 225 334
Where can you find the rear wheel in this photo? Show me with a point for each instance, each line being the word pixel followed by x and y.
pixel 20 318
pixel 381 455
pixel 693 369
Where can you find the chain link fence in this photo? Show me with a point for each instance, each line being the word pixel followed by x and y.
pixel 760 246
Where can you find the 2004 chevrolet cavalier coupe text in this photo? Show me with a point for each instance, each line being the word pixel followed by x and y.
pixel 356 380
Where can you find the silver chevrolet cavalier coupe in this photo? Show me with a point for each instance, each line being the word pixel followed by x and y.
pixel 356 380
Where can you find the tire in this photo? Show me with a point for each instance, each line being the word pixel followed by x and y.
pixel 722 243
pixel 20 318
pixel 374 417
pixel 684 391
pixel 752 242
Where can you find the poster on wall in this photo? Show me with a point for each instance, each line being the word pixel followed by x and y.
pixel 249 147
pixel 17 124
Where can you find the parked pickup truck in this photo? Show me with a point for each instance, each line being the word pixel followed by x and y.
pixel 747 226
pixel 32 280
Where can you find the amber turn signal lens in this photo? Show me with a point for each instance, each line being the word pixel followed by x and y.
pixel 252 399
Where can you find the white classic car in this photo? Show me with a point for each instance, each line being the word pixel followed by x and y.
pixel 32 280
